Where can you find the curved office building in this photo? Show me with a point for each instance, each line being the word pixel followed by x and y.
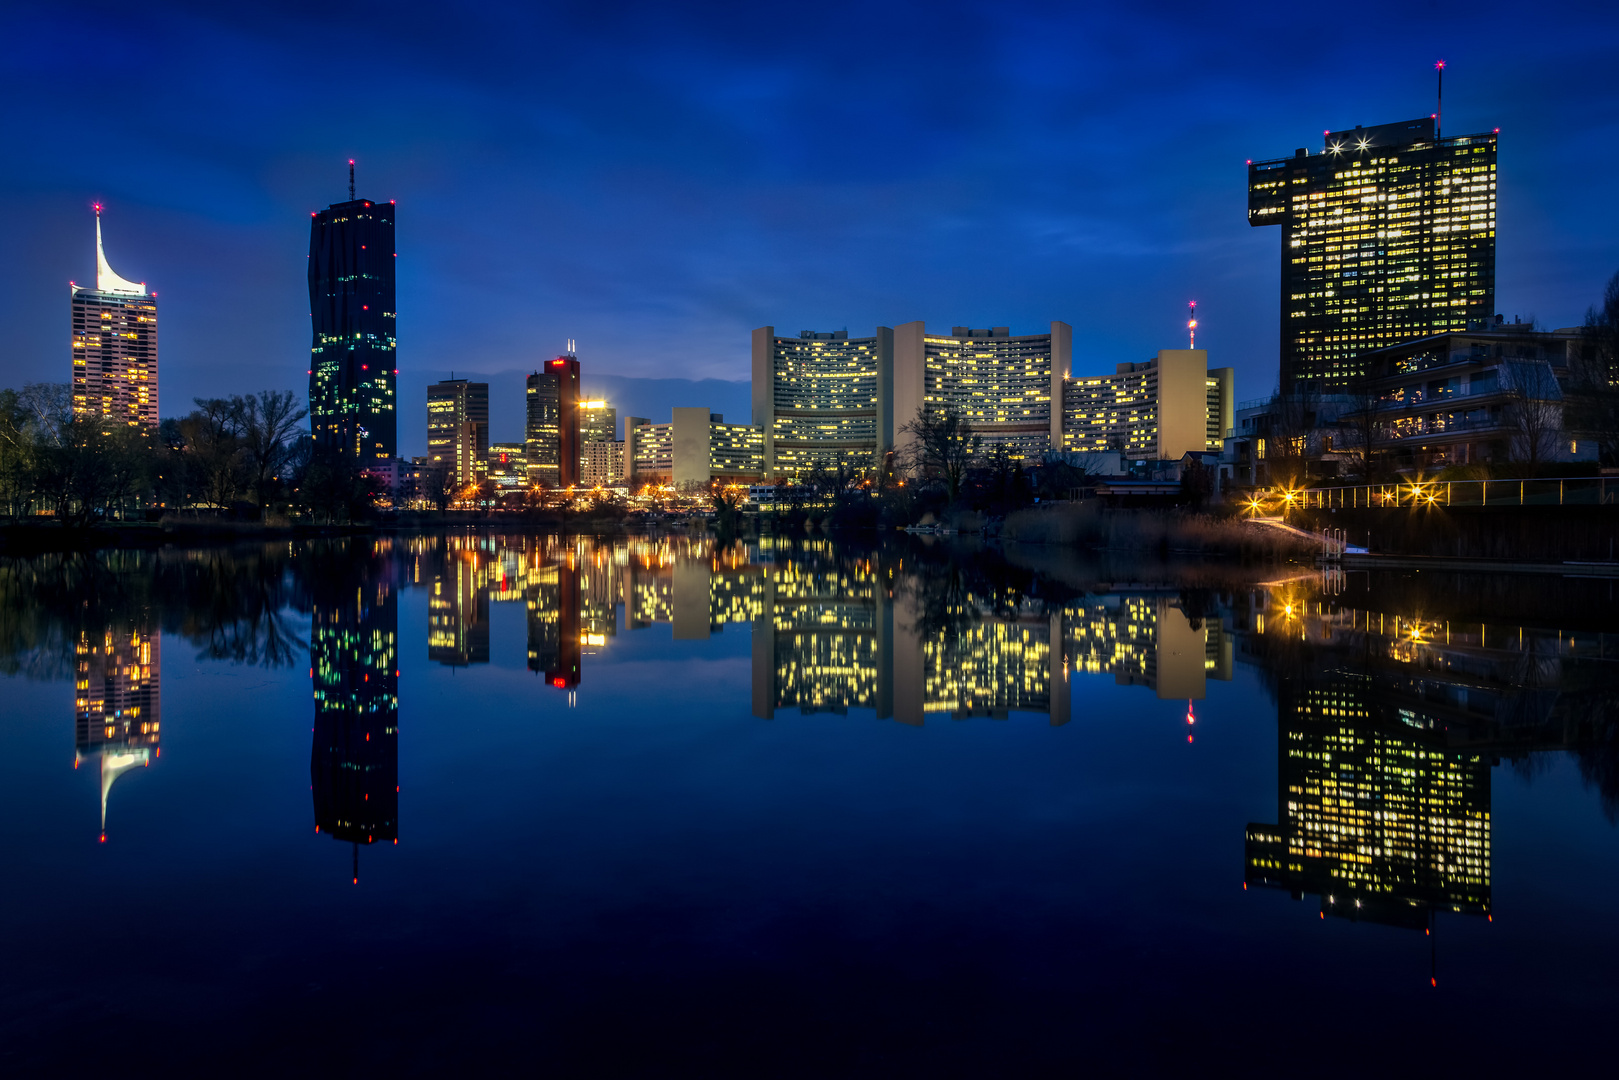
pixel 822 399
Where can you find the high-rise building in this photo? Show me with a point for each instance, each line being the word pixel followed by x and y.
pixel 114 347
pixel 353 361
pixel 601 455
pixel 823 399
pixel 598 421
pixel 552 432
pixel 1009 388
pixel 117 703
pixel 458 429
pixel 1388 234
pixel 1163 408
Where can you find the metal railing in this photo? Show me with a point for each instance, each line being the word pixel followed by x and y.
pixel 1551 491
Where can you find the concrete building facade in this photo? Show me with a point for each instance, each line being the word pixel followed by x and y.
pixel 694 448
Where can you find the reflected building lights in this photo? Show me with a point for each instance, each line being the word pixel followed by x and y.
pixel 354 754
pixel 117 703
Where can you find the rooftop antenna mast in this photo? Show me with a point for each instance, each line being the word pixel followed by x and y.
pixel 1439 117
pixel 351 179
pixel 1191 324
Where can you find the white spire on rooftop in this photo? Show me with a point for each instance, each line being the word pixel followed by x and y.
pixel 106 280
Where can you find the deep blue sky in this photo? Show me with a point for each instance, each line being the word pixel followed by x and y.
pixel 656 180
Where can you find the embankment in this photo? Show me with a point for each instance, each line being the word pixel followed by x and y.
pixel 1550 534
pixel 1091 525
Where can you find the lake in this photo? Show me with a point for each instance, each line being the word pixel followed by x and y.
pixel 659 806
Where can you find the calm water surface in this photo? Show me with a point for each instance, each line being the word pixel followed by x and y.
pixel 671 807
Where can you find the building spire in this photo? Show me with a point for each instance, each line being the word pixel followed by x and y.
pixel 351 179
pixel 1191 324
pixel 106 280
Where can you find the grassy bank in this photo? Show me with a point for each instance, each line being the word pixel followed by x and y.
pixel 1091 525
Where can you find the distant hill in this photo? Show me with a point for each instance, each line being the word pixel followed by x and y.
pixel 631 396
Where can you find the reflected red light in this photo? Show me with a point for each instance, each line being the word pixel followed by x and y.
pixel 396 841
pixel 1432 981
pixel 103 839
pixel 1323 914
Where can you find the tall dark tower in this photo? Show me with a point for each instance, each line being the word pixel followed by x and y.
pixel 552 432
pixel 1388 234
pixel 353 363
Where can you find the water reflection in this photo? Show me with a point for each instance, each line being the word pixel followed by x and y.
pixel 1389 726
pixel 117 703
pixel 353 664
pixel 1395 699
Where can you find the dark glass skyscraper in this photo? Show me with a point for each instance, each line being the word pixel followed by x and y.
pixel 1388 234
pixel 551 436
pixel 353 363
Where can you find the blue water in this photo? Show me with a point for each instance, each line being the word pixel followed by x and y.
pixel 639 876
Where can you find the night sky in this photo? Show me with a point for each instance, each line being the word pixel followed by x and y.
pixel 656 180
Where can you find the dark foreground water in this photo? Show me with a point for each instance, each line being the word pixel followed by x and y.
pixel 672 808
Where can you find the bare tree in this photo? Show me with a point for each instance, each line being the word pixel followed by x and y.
pixel 213 437
pixel 1594 376
pixel 267 424
pixel 1533 413
pixel 943 445
pixel 1363 428
pixel 1288 441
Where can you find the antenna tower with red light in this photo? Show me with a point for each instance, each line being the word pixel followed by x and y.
pixel 1191 324
pixel 1439 117
pixel 351 179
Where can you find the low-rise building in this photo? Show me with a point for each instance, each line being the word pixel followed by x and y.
pixel 1163 408
pixel 1490 395
pixel 603 463
pixel 508 466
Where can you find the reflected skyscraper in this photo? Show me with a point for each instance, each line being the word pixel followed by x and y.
pixel 1378 820
pixel 458 612
pixel 117 703
pixel 354 757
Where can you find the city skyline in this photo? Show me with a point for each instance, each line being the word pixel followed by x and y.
pixel 1116 263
